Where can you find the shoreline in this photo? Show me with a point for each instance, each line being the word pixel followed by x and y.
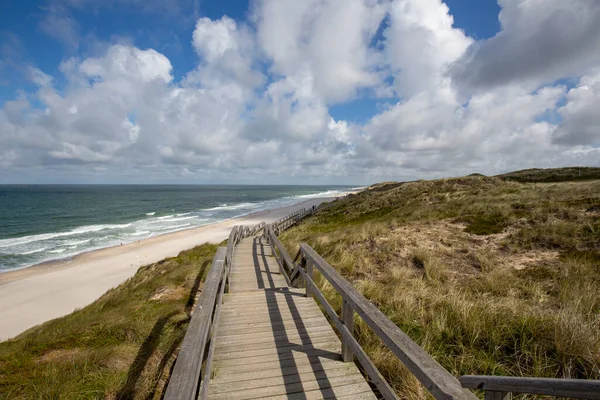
pixel 35 294
pixel 50 265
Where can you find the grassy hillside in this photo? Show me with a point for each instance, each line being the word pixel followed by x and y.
pixel 489 276
pixel 120 347
pixel 553 174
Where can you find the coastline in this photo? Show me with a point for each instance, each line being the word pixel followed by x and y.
pixel 35 294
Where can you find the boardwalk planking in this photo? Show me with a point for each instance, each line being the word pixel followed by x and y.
pixel 273 342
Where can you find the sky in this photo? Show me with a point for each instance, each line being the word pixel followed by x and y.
pixel 295 92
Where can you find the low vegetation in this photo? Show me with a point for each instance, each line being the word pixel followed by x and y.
pixel 120 347
pixel 553 174
pixel 489 275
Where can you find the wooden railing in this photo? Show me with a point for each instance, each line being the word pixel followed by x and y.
pixel 196 353
pixel 437 380
pixel 500 387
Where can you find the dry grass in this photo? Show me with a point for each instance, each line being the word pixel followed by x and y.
pixel 489 276
pixel 120 347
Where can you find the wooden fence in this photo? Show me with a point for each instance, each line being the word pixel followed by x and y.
pixel 299 272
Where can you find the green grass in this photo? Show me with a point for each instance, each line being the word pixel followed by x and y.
pixel 567 174
pixel 490 276
pixel 121 346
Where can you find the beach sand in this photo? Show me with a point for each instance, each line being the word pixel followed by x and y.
pixel 43 292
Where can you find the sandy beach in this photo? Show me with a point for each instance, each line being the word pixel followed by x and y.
pixel 33 295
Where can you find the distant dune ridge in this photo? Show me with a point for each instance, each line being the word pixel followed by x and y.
pixel 490 275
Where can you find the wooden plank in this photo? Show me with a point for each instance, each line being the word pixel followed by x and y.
pixel 322 350
pixel 300 377
pixel 355 391
pixel 574 388
pixel 183 383
pixel 439 382
pixel 297 360
pixel 275 370
pixel 239 346
pixel 268 318
pixel 233 353
pixel 239 310
pixel 225 338
pixel 287 325
pixel 315 384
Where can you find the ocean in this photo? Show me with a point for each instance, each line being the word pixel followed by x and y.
pixel 41 223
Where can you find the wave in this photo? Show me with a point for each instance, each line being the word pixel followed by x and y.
pixel 178 226
pixel 76 242
pixel 48 236
pixel 137 233
pixel 57 251
pixel 232 207
pixel 182 214
pixel 33 251
pixel 151 213
pixel 327 193
pixel 180 219
pixel 165 217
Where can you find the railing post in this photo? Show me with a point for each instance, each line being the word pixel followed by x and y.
pixel 348 321
pixel 301 281
pixel 494 395
pixel 309 273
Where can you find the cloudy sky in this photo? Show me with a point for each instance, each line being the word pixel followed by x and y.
pixel 288 91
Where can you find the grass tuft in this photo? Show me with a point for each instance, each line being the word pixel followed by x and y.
pixel 488 275
pixel 122 346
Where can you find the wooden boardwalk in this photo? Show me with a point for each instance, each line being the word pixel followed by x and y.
pixel 272 341
pixel 251 336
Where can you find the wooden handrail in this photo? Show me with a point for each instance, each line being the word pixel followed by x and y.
pixel 498 387
pixel 439 382
pixel 183 384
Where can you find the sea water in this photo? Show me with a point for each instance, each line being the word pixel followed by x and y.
pixel 41 223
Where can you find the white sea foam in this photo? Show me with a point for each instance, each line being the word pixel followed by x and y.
pixel 136 233
pixel 77 242
pixel 151 213
pixel 33 251
pixel 46 236
pixel 57 251
pixel 178 226
pixel 232 207
pixel 182 214
pixel 165 217
pixel 180 219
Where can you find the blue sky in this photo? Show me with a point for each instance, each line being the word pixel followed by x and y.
pixel 26 42
pixel 363 90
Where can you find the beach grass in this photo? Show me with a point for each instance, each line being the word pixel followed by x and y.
pixel 488 275
pixel 122 346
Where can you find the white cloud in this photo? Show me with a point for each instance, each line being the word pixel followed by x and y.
pixel 256 105
pixel 420 44
pixel 580 118
pixel 328 40
pixel 540 41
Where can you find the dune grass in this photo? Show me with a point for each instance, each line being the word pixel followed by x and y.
pixel 489 276
pixel 122 346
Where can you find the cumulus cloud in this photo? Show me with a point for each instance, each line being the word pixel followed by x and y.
pixel 580 118
pixel 420 44
pixel 326 40
pixel 257 102
pixel 540 42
